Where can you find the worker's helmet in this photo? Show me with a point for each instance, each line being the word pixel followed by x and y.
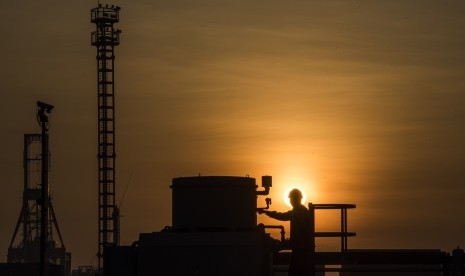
pixel 295 194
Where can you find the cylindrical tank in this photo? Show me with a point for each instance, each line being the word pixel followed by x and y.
pixel 214 203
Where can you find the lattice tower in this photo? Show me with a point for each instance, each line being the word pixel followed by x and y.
pixel 105 38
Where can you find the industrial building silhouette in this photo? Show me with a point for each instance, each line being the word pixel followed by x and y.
pixel 214 232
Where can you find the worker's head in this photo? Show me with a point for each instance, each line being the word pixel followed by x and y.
pixel 295 197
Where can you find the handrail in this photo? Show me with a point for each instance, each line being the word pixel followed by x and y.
pixel 334 206
pixel 343 234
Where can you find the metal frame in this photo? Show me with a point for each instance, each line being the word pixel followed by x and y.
pixel 25 242
pixel 343 234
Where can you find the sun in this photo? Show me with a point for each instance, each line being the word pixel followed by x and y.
pixel 286 196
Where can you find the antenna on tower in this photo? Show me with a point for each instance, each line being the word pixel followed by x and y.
pixel 125 190
pixel 117 214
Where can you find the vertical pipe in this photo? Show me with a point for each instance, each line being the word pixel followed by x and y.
pixel 44 194
pixel 342 230
pixel 344 213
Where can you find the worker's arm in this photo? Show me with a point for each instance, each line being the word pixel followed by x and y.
pixel 279 216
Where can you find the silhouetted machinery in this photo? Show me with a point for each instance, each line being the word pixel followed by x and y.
pixel 214 232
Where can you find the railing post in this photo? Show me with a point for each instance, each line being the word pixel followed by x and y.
pixel 311 263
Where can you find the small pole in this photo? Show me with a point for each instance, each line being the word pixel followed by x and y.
pixel 44 109
pixel 311 208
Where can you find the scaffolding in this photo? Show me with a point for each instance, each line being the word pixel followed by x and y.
pixel 105 38
pixel 25 245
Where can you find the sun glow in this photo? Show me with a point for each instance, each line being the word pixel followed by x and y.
pixel 286 196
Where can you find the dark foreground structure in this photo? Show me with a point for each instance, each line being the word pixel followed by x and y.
pixel 214 232
pixel 30 269
pixel 37 246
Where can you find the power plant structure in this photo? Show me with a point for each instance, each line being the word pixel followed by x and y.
pixel 105 38
pixel 214 232
pixel 37 243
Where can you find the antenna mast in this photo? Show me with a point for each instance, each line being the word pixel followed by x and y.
pixel 105 38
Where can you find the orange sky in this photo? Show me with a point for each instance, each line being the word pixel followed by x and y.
pixel 355 101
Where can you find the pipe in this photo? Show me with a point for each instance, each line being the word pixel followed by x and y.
pixel 42 116
pixel 283 233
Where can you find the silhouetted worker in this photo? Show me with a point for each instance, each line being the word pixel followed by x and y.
pixel 300 233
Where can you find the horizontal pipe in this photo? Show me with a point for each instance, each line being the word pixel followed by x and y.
pixel 283 233
pixel 284 268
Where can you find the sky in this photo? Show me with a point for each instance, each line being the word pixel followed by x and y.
pixel 353 101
